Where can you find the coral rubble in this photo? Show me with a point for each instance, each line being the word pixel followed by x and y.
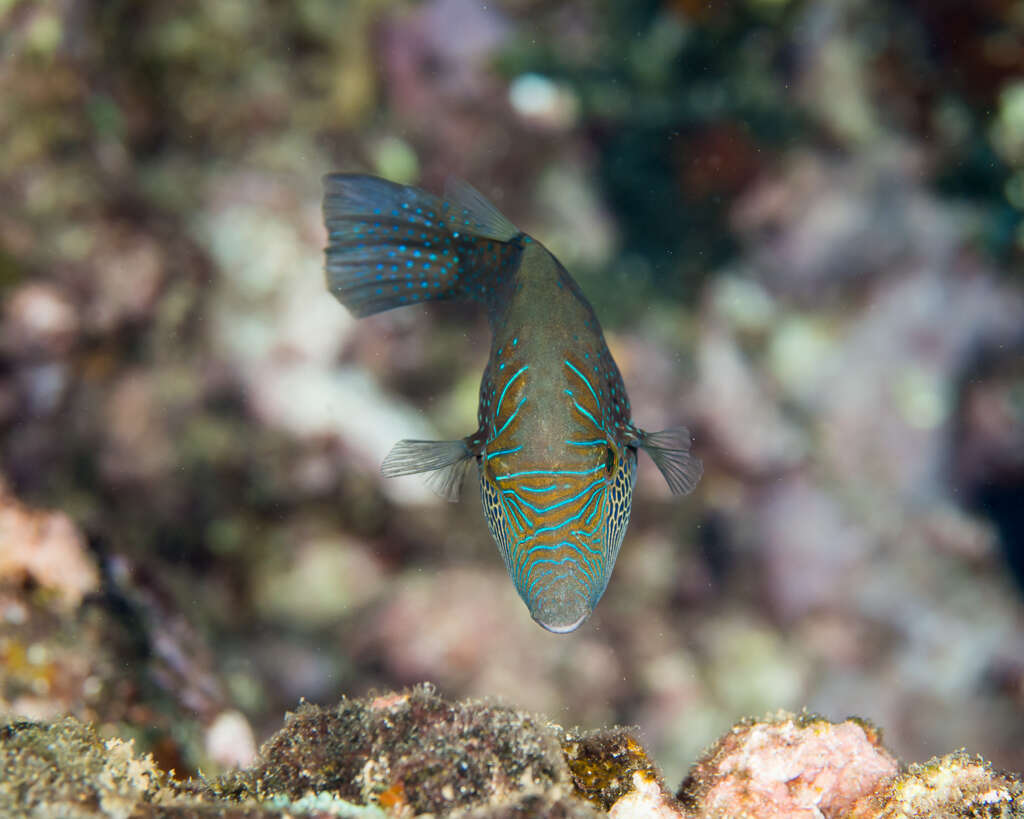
pixel 411 749
pixel 955 785
pixel 412 753
pixel 64 768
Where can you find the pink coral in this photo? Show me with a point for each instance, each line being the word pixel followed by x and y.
pixel 790 767
pixel 46 548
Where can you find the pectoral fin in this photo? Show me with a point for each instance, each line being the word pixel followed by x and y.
pixel 670 451
pixel 446 460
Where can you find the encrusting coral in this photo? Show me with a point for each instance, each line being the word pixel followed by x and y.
pixel 413 753
pixel 46 548
pixel 411 748
pixel 64 768
pixel 955 785
pixel 789 766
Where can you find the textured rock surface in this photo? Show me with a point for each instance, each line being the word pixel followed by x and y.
pixel 65 769
pixel 412 753
pixel 800 224
pixel 955 785
pixel 410 749
pixel 789 766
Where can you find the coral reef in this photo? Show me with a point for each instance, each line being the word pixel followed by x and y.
pixel 802 226
pixel 606 765
pixel 65 769
pixel 413 753
pixel 955 785
pixel 409 748
pixel 44 548
pixel 789 766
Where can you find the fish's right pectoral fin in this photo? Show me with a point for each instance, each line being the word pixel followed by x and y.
pixel 447 462
pixel 670 451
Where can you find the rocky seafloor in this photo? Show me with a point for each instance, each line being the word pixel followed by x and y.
pixel 413 753
pixel 802 227
pixel 112 706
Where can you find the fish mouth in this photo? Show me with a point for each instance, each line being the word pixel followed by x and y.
pixel 563 628
pixel 560 614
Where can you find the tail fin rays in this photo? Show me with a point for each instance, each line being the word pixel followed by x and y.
pixel 390 245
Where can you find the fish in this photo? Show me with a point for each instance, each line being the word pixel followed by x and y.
pixel 555 446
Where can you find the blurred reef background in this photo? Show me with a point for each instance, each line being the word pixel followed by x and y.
pixel 800 221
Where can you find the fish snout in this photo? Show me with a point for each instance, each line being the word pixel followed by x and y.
pixel 561 609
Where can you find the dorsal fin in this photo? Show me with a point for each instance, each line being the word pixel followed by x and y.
pixel 485 219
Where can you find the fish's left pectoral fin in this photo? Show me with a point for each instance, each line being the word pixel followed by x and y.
pixel 447 462
pixel 670 451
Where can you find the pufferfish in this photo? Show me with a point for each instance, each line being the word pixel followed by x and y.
pixel 555 446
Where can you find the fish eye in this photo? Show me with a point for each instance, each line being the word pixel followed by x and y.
pixel 609 460
pixel 487 469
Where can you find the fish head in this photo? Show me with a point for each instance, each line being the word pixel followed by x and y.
pixel 558 514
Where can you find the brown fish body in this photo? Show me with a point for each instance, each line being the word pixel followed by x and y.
pixel 555 446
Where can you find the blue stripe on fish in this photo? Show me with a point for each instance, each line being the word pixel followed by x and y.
pixel 556 446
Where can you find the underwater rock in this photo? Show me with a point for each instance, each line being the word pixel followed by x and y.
pixel 64 768
pixel 46 549
pixel 412 753
pixel 55 657
pixel 410 748
pixel 104 650
pixel 611 769
pixel 789 766
pixel 955 785
pixel 229 740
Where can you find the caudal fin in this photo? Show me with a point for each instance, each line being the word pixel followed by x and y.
pixel 391 245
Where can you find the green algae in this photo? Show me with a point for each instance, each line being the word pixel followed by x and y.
pixel 603 763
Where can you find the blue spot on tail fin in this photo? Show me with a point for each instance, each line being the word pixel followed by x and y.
pixel 391 245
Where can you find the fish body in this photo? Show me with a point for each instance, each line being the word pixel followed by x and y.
pixel 555 447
